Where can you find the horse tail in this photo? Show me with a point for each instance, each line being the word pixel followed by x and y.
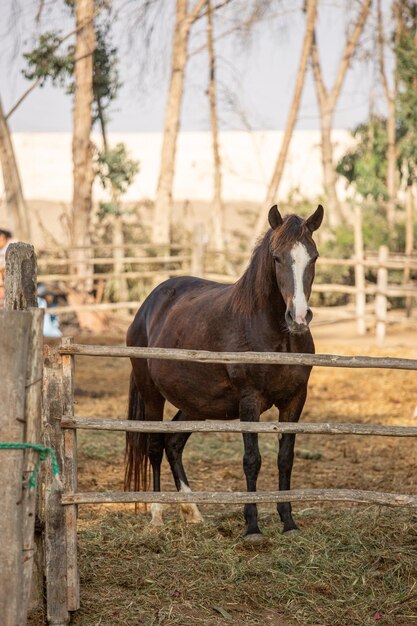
pixel 137 444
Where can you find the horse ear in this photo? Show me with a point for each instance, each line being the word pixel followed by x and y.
pixel 274 217
pixel 315 220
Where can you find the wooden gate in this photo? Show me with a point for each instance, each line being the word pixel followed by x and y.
pixel 61 427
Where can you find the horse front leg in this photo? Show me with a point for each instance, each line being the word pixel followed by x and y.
pixel 249 412
pixel 288 413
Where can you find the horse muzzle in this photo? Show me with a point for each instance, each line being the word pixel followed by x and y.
pixel 298 324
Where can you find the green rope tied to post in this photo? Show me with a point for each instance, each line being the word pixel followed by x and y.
pixel 43 455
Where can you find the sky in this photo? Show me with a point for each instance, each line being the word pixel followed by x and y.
pixel 255 77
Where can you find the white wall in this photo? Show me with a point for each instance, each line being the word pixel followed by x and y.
pixel 248 158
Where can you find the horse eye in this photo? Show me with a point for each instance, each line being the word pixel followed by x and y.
pixel 277 258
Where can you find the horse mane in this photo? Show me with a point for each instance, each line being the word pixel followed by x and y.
pixel 256 285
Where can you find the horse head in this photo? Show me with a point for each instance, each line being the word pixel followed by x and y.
pixel 295 253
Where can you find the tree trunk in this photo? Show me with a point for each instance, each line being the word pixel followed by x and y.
pixel 217 210
pixel 81 145
pixel 327 104
pixel 163 200
pixel 292 118
pixel 391 164
pixel 329 173
pixel 391 96
pixel 15 201
pixel 409 241
pixel 121 291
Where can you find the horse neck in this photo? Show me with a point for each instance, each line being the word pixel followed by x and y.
pixel 256 291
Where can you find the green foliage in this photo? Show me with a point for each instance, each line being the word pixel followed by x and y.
pixel 44 62
pixel 406 55
pixel 115 168
pixel 106 83
pixel 116 172
pixel 365 164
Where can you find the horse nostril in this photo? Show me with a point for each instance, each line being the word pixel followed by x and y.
pixel 309 316
pixel 288 317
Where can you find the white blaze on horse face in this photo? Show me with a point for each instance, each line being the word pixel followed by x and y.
pixel 300 259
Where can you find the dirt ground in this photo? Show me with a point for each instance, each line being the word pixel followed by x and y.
pixel 129 576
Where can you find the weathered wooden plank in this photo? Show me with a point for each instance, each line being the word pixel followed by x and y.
pixel 54 534
pixel 64 278
pixel 105 260
pixel 228 426
pixel 20 277
pixel 102 306
pixel 265 358
pixel 70 481
pixel 32 551
pixel 14 344
pixel 239 497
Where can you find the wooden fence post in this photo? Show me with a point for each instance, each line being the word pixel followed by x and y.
pixel 198 251
pixel 15 327
pixel 70 480
pixel 33 575
pixel 381 296
pixel 20 277
pixel 359 271
pixel 55 538
pixel 21 294
pixel 409 243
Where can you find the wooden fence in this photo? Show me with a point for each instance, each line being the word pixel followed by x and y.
pixel 148 266
pixel 20 380
pixel 62 424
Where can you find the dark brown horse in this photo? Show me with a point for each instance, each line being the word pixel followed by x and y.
pixel 266 310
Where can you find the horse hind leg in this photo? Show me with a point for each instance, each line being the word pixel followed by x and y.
pixel 174 446
pixel 156 451
pixel 154 411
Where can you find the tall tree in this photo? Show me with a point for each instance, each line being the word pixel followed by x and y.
pixel 184 20
pixel 115 169
pixel 311 14
pixel 217 210
pixel 391 123
pixel 82 150
pixel 327 100
pixel 406 54
pixel 15 200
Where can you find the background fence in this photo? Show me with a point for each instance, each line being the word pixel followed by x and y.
pixel 121 277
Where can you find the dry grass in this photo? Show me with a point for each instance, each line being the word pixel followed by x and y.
pixel 345 567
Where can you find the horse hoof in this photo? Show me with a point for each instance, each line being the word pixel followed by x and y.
pixel 154 524
pixel 255 539
pixel 291 531
pixel 190 514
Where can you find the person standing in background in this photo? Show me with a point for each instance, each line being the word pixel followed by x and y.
pixel 5 241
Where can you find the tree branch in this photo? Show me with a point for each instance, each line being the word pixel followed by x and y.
pixel 318 77
pixel 22 97
pixel 106 4
pixel 381 41
pixel 348 51
pixel 194 14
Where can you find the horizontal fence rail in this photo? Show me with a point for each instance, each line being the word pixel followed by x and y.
pixel 98 423
pixel 262 358
pixel 239 497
